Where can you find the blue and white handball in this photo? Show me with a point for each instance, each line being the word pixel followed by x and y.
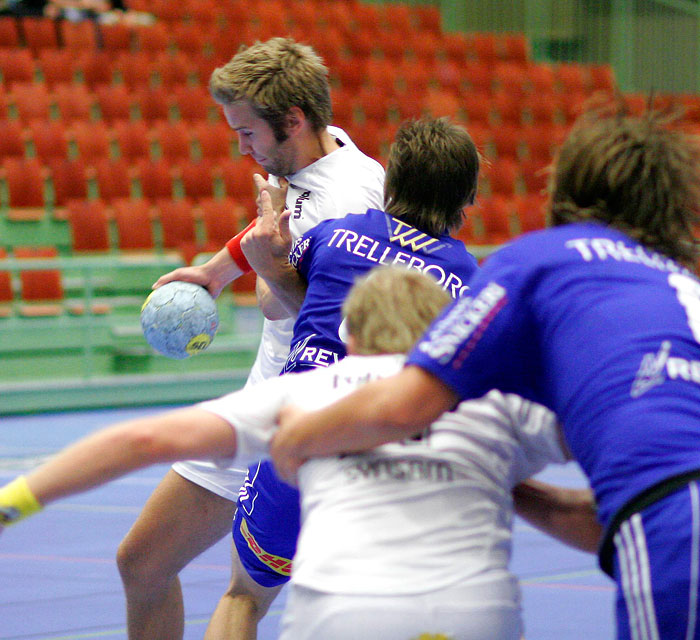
pixel 179 319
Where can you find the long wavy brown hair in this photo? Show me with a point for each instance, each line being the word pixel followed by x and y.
pixel 640 174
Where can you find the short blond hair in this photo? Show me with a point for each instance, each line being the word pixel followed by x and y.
pixel 274 76
pixel 387 310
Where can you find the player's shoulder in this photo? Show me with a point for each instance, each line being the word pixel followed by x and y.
pixel 541 248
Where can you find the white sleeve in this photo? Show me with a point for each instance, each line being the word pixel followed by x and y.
pixel 538 433
pixel 251 412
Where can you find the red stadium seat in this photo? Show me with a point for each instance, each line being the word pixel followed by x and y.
pixel 40 33
pixel 135 69
pixel 89 225
pixel 17 66
pixel 39 285
pixel 178 225
pixel 194 104
pixel 534 174
pixel 197 178
pixel 496 217
pixel 92 140
pixel 222 219
pixel 152 38
pixel 70 181
pixel 116 37
pixel 133 219
pixel 74 102
pixel 12 139
pixel 56 66
pixel 502 177
pixel 155 178
pixel 113 178
pixel 133 140
pixel 31 101
pixel 572 77
pixel 116 103
pixel 25 182
pixel 154 103
pixel 48 139
pixel 79 36
pixel 530 212
pixel 173 140
pixel 9 33
pixel 213 140
pixel 7 293
pixel 96 68
pixel 237 177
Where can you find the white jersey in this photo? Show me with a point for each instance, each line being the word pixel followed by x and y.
pixel 410 517
pixel 344 181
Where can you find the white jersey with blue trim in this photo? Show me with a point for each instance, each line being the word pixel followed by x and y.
pixel 601 330
pixel 344 181
pixel 409 517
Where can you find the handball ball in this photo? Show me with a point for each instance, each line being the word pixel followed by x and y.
pixel 179 319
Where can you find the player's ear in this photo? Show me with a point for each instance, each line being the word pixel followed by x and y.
pixel 351 345
pixel 294 120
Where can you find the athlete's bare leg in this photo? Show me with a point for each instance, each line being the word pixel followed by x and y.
pixel 178 522
pixel 242 607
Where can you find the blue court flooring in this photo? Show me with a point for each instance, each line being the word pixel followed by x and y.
pixel 59 581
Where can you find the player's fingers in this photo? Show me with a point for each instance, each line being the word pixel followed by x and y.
pixel 260 183
pixel 266 214
pixel 185 274
pixel 283 224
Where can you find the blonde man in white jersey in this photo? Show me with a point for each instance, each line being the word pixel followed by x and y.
pixel 276 96
pixel 410 539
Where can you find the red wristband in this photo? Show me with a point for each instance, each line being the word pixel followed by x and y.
pixel 235 251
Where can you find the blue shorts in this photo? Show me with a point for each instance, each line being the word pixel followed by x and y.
pixel 656 568
pixel 266 525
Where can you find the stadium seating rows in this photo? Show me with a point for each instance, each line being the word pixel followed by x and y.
pixel 115 112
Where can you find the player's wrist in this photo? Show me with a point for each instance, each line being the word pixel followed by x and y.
pixel 236 252
pixel 17 501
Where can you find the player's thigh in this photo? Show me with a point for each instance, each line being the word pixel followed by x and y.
pixel 179 521
pixel 657 569
pixel 242 584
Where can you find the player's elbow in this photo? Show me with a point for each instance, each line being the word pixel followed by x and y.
pixel 145 446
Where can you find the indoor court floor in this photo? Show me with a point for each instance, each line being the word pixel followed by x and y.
pixel 59 581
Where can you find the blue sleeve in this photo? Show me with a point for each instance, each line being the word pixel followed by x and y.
pixel 487 340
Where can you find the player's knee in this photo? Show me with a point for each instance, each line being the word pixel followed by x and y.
pixel 139 567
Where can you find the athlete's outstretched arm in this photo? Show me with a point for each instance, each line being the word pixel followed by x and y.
pixel 569 515
pixel 379 412
pixel 114 451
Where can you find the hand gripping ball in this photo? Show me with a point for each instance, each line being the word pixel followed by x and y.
pixel 179 319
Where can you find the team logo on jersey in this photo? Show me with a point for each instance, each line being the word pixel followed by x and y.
pixel 281 565
pixel 248 494
pixel 299 203
pixel 408 236
pixel 462 326
pixel 652 371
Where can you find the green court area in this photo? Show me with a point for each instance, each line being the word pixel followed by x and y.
pixel 84 348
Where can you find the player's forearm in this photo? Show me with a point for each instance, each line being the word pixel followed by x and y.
pixel 115 451
pixel 222 268
pixel 569 515
pixel 281 293
pixel 384 411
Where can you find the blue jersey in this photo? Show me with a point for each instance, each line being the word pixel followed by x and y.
pixel 601 330
pixel 335 252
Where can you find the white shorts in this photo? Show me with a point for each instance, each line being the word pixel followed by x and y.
pixel 464 613
pixel 222 482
